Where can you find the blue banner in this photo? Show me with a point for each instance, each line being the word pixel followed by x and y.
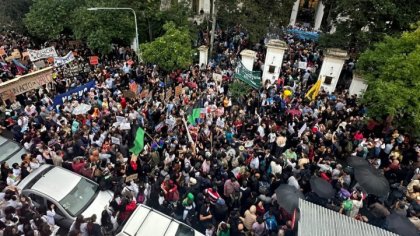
pixel 304 35
pixel 79 91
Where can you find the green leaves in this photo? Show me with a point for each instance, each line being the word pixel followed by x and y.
pixel 170 51
pixel 391 69
pixel 381 17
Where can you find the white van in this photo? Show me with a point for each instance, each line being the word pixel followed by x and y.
pixel 148 221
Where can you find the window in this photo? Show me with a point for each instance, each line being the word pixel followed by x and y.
pixel 328 80
pixel 79 197
pixel 271 69
pixel 37 200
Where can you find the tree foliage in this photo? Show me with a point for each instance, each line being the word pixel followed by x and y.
pixel 361 23
pixel 47 19
pixel 391 69
pixel 256 16
pixel 12 12
pixel 170 51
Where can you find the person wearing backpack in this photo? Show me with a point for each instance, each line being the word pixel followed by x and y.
pixel 259 228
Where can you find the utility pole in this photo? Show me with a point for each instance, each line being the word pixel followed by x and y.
pixel 213 28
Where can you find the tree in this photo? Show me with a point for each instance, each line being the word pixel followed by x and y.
pixel 256 16
pixel 12 12
pixel 46 19
pixel 170 51
pixel 391 69
pixel 361 23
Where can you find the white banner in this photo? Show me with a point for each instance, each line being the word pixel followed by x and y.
pixel 36 55
pixel 59 61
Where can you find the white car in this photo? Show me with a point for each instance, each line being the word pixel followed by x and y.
pixel 72 194
pixel 11 151
pixel 147 221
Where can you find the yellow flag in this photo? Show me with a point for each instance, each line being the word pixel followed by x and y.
pixel 313 92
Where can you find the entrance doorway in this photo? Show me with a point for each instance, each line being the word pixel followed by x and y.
pixel 306 13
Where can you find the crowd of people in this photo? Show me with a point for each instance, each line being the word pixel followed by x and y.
pixel 218 173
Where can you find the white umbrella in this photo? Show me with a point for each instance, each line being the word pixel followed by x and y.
pixel 81 109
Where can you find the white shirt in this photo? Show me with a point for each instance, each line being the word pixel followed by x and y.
pixel 293 182
pixel 275 168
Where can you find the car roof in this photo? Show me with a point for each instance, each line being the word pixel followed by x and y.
pixel 147 221
pixel 54 182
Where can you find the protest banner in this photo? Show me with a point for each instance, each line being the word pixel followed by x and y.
pixel 59 61
pixel 78 91
pixel 36 55
pixel 25 83
pixel 115 140
pixel 94 60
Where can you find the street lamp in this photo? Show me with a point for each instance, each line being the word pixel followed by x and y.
pixel 136 42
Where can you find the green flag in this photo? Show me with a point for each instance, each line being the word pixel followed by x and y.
pixel 194 115
pixel 138 142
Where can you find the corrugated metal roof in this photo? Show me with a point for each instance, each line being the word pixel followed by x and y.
pixel 319 221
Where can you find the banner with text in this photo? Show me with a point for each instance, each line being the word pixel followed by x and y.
pixel 36 55
pixel 59 61
pixel 79 91
pixel 252 78
pixel 23 84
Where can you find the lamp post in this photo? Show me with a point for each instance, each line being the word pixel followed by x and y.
pixel 136 42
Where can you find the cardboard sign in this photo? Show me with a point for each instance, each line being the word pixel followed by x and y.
pixel 302 65
pixel 36 55
pixel 131 177
pixel 25 83
pixel 94 60
pixel 178 90
pixel 2 51
pixel 115 140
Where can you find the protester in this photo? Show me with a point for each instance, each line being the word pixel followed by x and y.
pixel 209 159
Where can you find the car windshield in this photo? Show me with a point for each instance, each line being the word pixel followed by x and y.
pixel 184 231
pixel 7 149
pixel 79 197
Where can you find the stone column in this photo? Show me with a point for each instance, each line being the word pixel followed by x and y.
pixel 273 60
pixel 204 54
pixel 207 6
pixel 331 68
pixel 248 58
pixel 358 85
pixel 295 10
pixel 319 15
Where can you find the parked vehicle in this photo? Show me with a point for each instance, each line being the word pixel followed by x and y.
pixel 72 194
pixel 10 151
pixel 148 221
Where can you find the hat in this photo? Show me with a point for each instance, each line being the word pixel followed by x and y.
pixel 193 181
pixel 241 148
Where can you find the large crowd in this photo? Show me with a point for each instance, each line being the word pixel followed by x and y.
pixel 219 173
